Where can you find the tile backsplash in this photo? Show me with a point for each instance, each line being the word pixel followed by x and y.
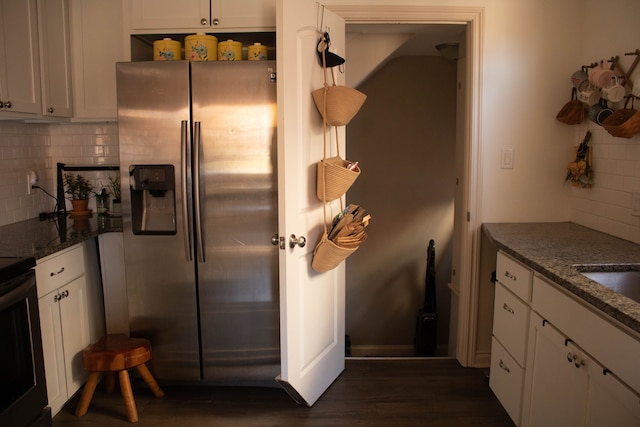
pixel 38 147
pixel 616 167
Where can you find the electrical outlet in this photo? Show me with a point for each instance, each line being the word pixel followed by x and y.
pixel 635 204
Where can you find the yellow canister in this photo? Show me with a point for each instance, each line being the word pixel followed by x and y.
pixel 230 51
pixel 201 47
pixel 257 52
pixel 167 50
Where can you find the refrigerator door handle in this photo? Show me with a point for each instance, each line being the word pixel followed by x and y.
pixel 196 190
pixel 184 175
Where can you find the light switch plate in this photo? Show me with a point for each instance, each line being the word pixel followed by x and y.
pixel 506 158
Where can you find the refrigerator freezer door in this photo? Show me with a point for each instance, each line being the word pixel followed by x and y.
pixel 153 102
pixel 234 105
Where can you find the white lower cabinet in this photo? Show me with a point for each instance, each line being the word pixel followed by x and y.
pixel 557 381
pixel 70 313
pixel 565 385
pixel 556 361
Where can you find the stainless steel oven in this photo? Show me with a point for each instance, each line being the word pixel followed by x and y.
pixel 23 393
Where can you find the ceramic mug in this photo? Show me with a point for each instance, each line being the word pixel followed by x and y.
pixel 598 113
pixel 579 78
pixel 601 75
pixel 614 91
pixel 589 94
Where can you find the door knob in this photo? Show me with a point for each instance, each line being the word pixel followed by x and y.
pixel 204 21
pixel 275 239
pixel 300 241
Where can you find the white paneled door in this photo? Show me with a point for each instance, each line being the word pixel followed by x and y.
pixel 311 304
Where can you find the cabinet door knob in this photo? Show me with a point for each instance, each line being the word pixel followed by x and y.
pixel 50 110
pixel 5 105
pixel 215 21
pixel 504 366
pixel 204 21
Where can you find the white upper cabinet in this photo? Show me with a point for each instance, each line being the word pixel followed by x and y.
pixel 97 44
pixel 203 15
pixel 53 20
pixel 19 58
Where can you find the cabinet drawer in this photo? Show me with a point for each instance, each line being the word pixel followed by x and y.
pixel 511 322
pixel 515 276
pixel 506 379
pixel 59 269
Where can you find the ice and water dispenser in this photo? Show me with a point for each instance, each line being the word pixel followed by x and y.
pixel 153 199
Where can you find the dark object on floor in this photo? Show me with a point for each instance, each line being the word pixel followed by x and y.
pixel 117 353
pixel 427 319
pixel 347 346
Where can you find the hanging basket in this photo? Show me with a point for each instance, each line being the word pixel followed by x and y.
pixel 334 178
pixel 572 113
pixel 327 255
pixel 343 103
pixel 623 123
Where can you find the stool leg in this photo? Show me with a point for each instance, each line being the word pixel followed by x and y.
pixel 127 394
pixel 110 381
pixel 87 393
pixel 148 378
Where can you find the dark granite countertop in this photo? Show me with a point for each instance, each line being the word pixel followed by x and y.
pixel 554 249
pixel 35 238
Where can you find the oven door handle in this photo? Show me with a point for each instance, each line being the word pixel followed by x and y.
pixel 20 287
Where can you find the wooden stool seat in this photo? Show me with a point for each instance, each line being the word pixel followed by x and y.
pixel 117 353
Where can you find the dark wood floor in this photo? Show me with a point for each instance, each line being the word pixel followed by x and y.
pixel 370 392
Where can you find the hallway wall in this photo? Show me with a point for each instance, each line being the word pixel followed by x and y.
pixel 404 139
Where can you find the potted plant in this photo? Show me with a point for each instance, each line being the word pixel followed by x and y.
pixel 114 187
pixel 79 189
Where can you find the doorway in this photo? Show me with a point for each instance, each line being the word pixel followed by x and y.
pixel 465 242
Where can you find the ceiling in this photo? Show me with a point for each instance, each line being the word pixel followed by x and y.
pixel 424 36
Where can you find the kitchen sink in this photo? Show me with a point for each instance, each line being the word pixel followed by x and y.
pixel 622 279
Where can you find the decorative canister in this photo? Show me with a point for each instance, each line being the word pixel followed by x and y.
pixel 230 51
pixel 167 50
pixel 201 47
pixel 257 52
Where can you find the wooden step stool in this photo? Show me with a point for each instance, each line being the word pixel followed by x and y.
pixel 117 353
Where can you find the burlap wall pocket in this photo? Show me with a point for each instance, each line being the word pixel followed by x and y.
pixel 343 103
pixel 327 255
pixel 335 176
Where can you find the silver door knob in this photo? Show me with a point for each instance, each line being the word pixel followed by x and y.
pixel 275 239
pixel 215 21
pixel 204 21
pixel 300 241
pixel 6 105
pixel 50 110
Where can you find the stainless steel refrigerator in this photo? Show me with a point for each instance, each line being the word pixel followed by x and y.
pixel 198 168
